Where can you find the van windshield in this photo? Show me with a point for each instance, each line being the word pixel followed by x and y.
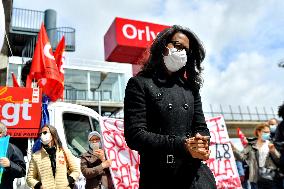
pixel 77 127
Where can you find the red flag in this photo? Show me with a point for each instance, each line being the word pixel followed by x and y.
pixel 44 68
pixel 242 137
pixel 28 82
pixel 15 82
pixel 59 56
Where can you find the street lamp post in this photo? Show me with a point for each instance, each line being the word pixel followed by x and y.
pixel 102 78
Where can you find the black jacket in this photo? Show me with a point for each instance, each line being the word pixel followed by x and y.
pixel 17 167
pixel 159 114
pixel 279 133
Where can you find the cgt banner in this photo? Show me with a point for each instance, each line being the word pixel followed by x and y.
pixel 125 165
pixel 20 111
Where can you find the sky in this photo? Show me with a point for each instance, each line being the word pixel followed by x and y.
pixel 244 40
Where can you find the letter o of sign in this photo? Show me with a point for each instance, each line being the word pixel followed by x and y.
pixel 126 34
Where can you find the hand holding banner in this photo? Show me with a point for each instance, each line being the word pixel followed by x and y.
pixel 242 137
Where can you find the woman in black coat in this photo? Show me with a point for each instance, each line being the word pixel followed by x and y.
pixel 163 114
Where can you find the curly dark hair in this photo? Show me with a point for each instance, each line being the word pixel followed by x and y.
pixel 281 111
pixel 154 61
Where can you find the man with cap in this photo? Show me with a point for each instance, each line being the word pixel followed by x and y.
pixel 94 166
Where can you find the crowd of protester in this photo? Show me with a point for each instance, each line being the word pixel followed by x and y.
pixel 261 163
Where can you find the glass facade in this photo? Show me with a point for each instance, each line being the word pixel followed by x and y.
pixel 88 85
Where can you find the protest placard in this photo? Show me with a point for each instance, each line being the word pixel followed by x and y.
pixel 221 161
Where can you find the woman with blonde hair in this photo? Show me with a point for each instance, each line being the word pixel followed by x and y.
pixel 261 156
pixel 52 167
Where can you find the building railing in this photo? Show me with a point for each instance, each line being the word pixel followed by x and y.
pixel 29 22
pixel 238 113
pixel 75 94
pixel 26 20
pixel 230 113
pixel 68 33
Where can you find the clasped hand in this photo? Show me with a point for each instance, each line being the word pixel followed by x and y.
pixel 198 146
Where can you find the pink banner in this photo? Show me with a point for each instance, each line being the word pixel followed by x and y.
pixel 125 165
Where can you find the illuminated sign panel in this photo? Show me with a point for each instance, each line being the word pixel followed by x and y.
pixel 126 40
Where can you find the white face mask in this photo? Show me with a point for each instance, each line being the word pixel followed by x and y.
pixel 45 138
pixel 273 128
pixel 175 60
pixel 95 145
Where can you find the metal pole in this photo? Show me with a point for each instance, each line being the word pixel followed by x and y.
pixel 50 26
pixel 99 104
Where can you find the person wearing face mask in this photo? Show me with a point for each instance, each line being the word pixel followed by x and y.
pixel 163 116
pixel 52 167
pixel 273 123
pixel 13 163
pixel 94 165
pixel 261 154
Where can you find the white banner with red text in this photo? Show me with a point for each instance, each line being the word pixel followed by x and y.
pixel 125 165
pixel 222 161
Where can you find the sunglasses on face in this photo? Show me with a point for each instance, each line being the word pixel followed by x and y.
pixel 44 133
pixel 179 46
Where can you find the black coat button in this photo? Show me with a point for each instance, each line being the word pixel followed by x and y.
pixel 170 106
pixel 185 106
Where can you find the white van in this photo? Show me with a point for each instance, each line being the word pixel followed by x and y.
pixel 73 123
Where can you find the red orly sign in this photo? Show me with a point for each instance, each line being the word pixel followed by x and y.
pixel 20 111
pixel 126 40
